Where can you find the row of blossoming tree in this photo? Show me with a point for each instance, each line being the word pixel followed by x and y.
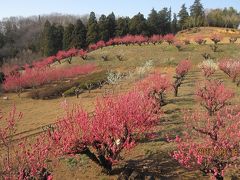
pixel 210 142
pixel 120 121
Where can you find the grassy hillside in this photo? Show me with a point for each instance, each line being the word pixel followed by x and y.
pixel 149 156
pixel 206 32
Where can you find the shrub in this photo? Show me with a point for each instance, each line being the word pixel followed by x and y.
pixel 181 71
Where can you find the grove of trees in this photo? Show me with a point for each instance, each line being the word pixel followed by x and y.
pixel 25 39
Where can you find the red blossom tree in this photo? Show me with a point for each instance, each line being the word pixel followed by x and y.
pixel 116 125
pixel 208 67
pixel 181 71
pixel 178 45
pixel 82 54
pixel 21 160
pixel 70 54
pixel 100 44
pixel 156 86
pixel 156 39
pixel 169 38
pixel 33 77
pixel 199 40
pixel 214 96
pixel 210 143
pixel 231 68
pixel 216 38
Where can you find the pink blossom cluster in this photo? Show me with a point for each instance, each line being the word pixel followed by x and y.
pixel 117 123
pixel 216 38
pixel 33 77
pixel 231 68
pixel 199 40
pixel 183 67
pixel 214 96
pixel 211 140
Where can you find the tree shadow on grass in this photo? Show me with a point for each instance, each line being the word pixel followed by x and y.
pixel 157 165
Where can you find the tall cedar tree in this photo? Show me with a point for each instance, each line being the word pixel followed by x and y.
pixel 68 36
pixel 183 17
pixel 103 28
pixel 122 28
pixel 2 40
pixel 153 23
pixel 197 13
pixel 57 38
pixel 79 35
pixel 165 20
pixel 47 39
pixel 111 25
pixel 174 25
pixel 138 25
pixel 92 29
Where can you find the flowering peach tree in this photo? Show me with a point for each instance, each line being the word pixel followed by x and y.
pixel 116 125
pixel 181 71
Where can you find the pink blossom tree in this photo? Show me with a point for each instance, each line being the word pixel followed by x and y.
pixel 208 67
pixel 169 38
pixel 181 71
pixel 214 96
pixel 216 38
pixel 211 140
pixel 21 160
pixel 155 86
pixel 156 39
pixel 231 68
pixel 116 125
pixel 199 40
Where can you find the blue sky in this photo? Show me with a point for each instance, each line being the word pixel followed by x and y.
pixel 119 7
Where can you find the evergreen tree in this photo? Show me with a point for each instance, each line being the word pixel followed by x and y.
pixel 174 25
pixel 104 33
pixel 197 12
pixel 57 38
pixel 122 28
pixel 68 36
pixel 79 35
pixel 47 39
pixel 92 32
pixel 2 40
pixel 165 21
pixel 183 17
pixel 138 25
pixel 111 25
pixel 153 22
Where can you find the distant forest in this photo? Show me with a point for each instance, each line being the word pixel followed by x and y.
pixel 23 40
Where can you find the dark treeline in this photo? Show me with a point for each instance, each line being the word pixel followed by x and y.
pixel 25 39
